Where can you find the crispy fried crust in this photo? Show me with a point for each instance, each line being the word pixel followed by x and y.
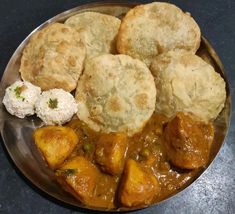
pixel 116 93
pixel 53 58
pixel 98 31
pixel 185 82
pixel 148 30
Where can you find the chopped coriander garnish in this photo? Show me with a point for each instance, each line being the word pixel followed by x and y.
pixel 53 103
pixel 67 172
pixel 18 90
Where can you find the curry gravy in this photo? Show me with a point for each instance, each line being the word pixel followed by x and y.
pixel 147 148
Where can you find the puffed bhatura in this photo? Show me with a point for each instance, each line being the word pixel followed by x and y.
pixel 99 31
pixel 53 58
pixel 151 29
pixel 185 82
pixel 115 93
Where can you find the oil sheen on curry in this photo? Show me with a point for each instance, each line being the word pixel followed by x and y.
pixel 114 170
pixel 123 75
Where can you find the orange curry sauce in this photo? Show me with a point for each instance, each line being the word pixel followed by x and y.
pixel 146 148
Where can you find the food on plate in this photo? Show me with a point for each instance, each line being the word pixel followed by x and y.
pixel 53 58
pixel 115 93
pixel 150 29
pixel 143 130
pixel 111 152
pixel 20 98
pixel 188 141
pixel 185 82
pixel 93 172
pixel 98 31
pixel 79 176
pixel 56 106
pixel 55 143
pixel 139 186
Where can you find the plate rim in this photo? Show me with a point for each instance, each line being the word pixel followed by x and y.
pixel 40 187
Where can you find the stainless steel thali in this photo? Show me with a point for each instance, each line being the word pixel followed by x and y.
pixel 17 133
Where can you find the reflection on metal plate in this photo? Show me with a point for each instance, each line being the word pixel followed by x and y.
pixel 17 133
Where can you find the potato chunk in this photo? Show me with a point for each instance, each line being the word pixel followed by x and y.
pixel 79 176
pixel 55 143
pixel 188 141
pixel 111 151
pixel 138 186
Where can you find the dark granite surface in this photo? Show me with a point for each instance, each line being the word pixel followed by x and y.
pixel 213 192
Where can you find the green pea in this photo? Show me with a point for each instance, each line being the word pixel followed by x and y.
pixel 87 147
pixel 145 152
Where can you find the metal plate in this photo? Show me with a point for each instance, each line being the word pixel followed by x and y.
pixel 17 133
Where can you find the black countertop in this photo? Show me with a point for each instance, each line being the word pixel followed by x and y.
pixel 213 192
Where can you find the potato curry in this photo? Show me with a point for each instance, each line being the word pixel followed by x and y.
pixel 114 170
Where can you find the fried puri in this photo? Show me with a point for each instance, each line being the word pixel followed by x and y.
pixel 150 29
pixel 185 82
pixel 53 58
pixel 116 93
pixel 98 31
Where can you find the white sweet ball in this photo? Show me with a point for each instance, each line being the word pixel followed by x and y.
pixel 20 98
pixel 56 106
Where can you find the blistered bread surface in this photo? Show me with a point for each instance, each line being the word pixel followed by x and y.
pixel 150 29
pixel 99 31
pixel 116 93
pixel 53 58
pixel 185 82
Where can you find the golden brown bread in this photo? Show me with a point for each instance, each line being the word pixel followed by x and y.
pixel 150 29
pixel 115 93
pixel 98 31
pixel 185 82
pixel 53 58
